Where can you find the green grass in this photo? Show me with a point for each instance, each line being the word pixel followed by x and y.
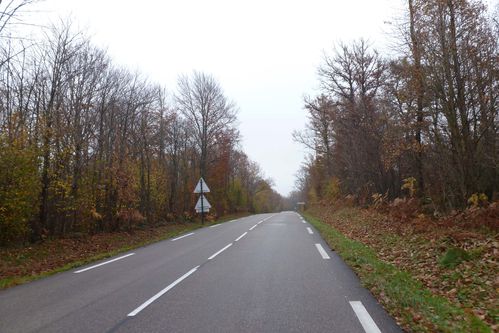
pixel 403 296
pixel 16 280
pixel 453 257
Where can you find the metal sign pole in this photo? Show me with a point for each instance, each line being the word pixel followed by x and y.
pixel 202 204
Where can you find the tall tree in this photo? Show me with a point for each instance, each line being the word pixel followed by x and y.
pixel 201 101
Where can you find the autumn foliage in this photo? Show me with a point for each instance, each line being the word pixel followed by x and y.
pixel 422 124
pixel 87 146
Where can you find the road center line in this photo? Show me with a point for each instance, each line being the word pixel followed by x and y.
pixel 215 225
pixel 220 251
pixel 182 236
pixel 365 319
pixel 161 293
pixel 238 238
pixel 310 231
pixel 322 251
pixel 103 263
pixel 253 227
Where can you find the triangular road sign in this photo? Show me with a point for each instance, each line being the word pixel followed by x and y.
pixel 201 187
pixel 205 206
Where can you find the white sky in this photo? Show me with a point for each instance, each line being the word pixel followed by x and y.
pixel 264 53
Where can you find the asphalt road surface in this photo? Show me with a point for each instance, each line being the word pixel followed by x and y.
pixel 262 273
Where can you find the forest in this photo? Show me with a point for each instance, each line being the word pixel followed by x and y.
pixel 420 124
pixel 88 146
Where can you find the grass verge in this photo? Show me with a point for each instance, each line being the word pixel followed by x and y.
pixel 415 307
pixel 22 265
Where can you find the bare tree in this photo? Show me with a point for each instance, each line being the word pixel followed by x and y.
pixel 318 135
pixel 202 102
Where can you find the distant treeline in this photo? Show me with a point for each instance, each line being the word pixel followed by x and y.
pixel 425 122
pixel 86 146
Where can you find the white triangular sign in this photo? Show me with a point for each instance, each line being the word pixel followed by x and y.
pixel 205 206
pixel 201 187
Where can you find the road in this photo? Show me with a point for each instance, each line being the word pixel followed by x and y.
pixel 262 273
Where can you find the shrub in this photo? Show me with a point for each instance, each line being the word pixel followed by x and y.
pixel 410 185
pixel 332 190
pixel 130 217
pixel 478 200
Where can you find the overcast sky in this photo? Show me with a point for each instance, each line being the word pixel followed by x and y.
pixel 264 53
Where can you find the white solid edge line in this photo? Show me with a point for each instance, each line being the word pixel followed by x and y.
pixel 103 263
pixel 182 236
pixel 238 238
pixel 219 251
pixel 310 231
pixel 322 251
pixel 303 221
pixel 253 227
pixel 365 319
pixel 158 295
pixel 215 225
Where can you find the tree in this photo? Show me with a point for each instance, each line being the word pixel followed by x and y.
pixel 18 189
pixel 86 146
pixel 202 102
pixel 318 135
pixel 428 114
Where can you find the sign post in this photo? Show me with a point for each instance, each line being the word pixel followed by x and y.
pixel 202 204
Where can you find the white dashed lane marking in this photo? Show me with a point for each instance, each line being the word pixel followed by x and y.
pixel 220 251
pixel 182 236
pixel 104 263
pixel 238 238
pixel 365 319
pixel 162 292
pixel 322 251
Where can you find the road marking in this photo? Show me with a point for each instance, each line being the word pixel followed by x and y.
pixel 220 251
pixel 161 293
pixel 322 251
pixel 215 225
pixel 260 222
pixel 103 263
pixel 182 236
pixel 310 231
pixel 238 238
pixel 303 221
pixel 365 319
pixel 253 227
